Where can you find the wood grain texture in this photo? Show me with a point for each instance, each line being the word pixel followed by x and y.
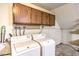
pixel 21 14
pixel 29 16
pixel 52 20
pixel 35 16
pixel 45 18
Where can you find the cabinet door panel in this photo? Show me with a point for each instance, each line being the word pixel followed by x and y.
pixel 36 16
pixel 52 20
pixel 21 14
pixel 45 18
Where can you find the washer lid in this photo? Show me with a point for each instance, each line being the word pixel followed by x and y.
pixel 28 45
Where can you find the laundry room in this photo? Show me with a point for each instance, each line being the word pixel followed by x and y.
pixel 39 29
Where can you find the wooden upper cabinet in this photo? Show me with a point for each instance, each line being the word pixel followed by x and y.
pixel 26 15
pixel 21 14
pixel 36 16
pixel 52 20
pixel 45 18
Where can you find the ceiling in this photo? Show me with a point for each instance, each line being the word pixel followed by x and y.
pixel 49 6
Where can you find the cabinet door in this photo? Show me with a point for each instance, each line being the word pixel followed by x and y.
pixel 45 18
pixel 21 14
pixel 52 20
pixel 36 17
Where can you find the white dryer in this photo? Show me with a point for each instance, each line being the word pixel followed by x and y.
pixel 24 46
pixel 47 45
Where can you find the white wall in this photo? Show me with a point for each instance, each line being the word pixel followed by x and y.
pixel 65 16
pixel 6 16
pixel 76 36
pixel 66 35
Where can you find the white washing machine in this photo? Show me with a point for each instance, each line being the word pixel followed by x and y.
pixel 24 46
pixel 47 45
